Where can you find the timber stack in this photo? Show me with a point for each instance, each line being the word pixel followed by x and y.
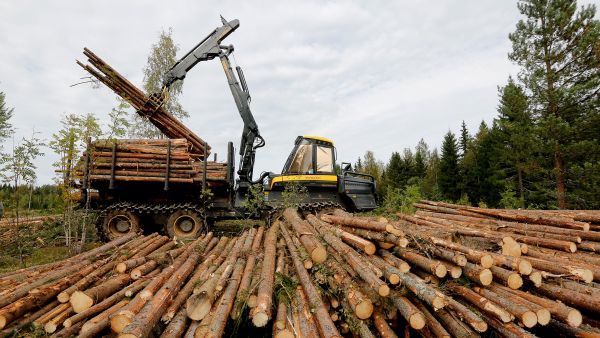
pixel 447 271
pixel 147 106
pixel 147 160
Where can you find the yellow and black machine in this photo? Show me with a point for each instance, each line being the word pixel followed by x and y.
pixel 181 210
pixel 312 164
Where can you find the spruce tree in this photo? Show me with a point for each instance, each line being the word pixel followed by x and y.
pixel 557 48
pixel 449 175
pixel 465 138
pixel 5 116
pixel 516 133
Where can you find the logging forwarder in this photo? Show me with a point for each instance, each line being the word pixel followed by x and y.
pixel 311 164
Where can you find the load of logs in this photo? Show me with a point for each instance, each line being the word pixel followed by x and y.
pixel 150 107
pixel 147 161
pixel 447 271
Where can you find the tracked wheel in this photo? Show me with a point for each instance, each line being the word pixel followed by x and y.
pixel 118 223
pixel 185 224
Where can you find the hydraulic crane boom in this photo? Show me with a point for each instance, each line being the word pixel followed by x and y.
pixel 208 49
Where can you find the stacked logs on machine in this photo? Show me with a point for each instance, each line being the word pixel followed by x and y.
pixel 148 161
pixel 326 275
pixel 146 106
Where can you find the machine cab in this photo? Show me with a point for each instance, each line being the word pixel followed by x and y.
pixel 311 155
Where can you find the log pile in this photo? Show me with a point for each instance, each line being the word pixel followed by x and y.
pixel 148 161
pixel 149 107
pixel 331 274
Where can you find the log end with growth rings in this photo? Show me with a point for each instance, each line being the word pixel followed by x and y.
pixel 485 277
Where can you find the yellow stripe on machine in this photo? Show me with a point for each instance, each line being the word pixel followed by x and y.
pixel 326 178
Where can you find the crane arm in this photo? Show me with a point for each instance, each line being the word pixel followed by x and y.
pixel 207 49
pixel 251 139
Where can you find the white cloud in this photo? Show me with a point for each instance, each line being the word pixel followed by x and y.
pixel 375 75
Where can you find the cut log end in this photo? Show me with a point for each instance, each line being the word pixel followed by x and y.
pixel 529 319
pixel 63 297
pixel 486 261
pixel 308 264
pixel 384 290
pixel 136 274
pixel 50 327
pixel 404 267
pixel 80 301
pixel 403 242
pixel 67 323
pixel 543 316
pixel 574 318
pixel 536 278
pixel 525 267
pixel 485 277
pixel 460 260
pixel 572 247
pixel 455 272
pixel 438 303
pixel 260 319
pixel 417 321
pixel 318 255
pixel 479 326
pixel 364 310
pixel 120 320
pixel 394 279
pixel 370 249
pixel 515 281
pixel 121 267
pixel 197 307
pixel 251 301
pixel 441 271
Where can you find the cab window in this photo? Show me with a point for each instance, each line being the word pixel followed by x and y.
pixel 324 159
pixel 302 163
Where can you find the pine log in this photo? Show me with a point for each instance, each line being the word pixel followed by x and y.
pixel 360 223
pixel 483 304
pixel 563 312
pixel 479 257
pixel 409 311
pixel 243 290
pixel 307 237
pixel 508 278
pixel 526 317
pixel 385 331
pixel 434 266
pixel 478 274
pixel 467 316
pixel 221 313
pixel 454 325
pixel 261 314
pixel 150 314
pixel 94 326
pixel 325 324
pixel 432 323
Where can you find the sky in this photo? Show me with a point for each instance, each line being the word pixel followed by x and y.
pixel 371 75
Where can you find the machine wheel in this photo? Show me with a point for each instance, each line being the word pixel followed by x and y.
pixel 117 223
pixel 184 224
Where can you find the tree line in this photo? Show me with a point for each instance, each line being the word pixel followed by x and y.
pixel 542 149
